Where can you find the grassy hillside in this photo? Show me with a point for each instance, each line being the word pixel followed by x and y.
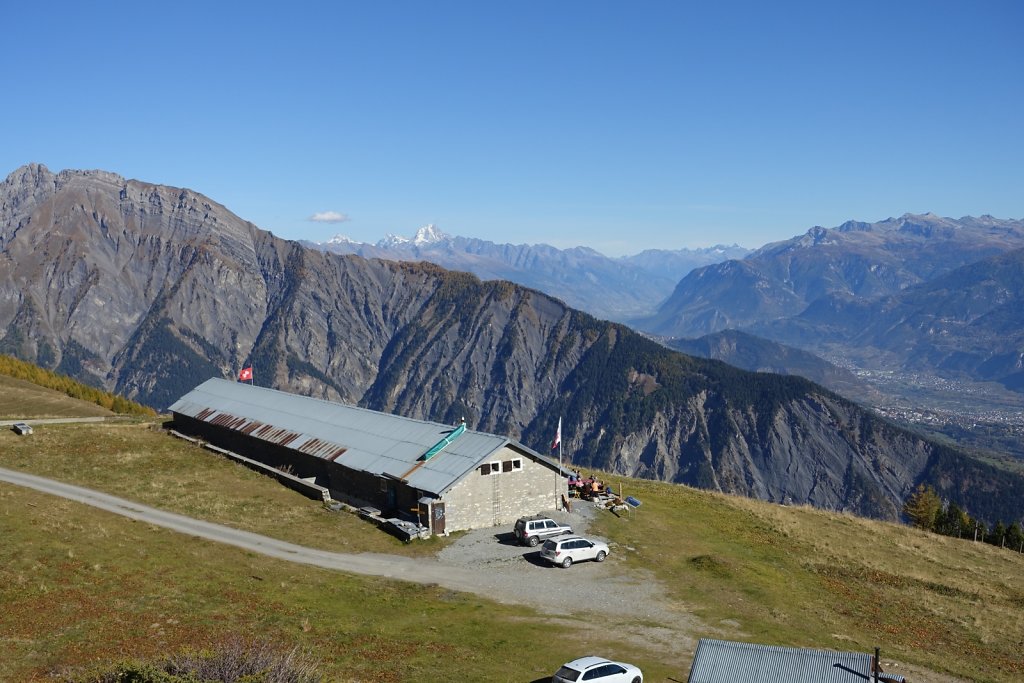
pixel 81 587
pixel 21 399
pixel 11 367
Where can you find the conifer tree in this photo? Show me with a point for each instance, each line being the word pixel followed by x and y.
pixel 997 534
pixel 922 507
pixel 1015 537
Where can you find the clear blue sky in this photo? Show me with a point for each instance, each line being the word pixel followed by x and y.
pixel 618 125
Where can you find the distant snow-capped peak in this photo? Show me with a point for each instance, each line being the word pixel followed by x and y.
pixel 341 239
pixel 391 240
pixel 428 234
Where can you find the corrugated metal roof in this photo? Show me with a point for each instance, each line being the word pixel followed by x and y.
pixel 361 439
pixel 722 661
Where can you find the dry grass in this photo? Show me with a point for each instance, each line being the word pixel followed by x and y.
pixel 23 400
pixel 803 577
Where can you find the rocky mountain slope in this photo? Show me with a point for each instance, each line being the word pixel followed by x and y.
pixel 149 290
pixel 920 307
pixel 609 288
pixel 968 323
pixel 757 354
pixel 855 260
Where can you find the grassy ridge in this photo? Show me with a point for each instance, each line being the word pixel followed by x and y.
pixel 804 577
pixel 22 400
pixel 19 369
pixel 85 586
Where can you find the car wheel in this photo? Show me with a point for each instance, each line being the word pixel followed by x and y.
pixel 567 562
pixel 533 541
pixel 600 558
pixel 637 680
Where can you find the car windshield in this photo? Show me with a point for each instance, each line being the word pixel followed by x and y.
pixel 567 673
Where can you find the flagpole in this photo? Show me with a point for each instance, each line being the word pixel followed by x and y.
pixel 558 480
pixel 559 487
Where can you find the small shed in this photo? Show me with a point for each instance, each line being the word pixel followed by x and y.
pixel 445 477
pixel 723 661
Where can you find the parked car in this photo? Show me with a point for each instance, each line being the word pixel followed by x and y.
pixel 22 429
pixel 565 551
pixel 532 530
pixel 597 669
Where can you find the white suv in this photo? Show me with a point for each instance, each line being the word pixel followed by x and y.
pixel 565 551
pixel 532 530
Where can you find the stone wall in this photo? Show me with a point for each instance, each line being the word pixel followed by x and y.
pixel 505 493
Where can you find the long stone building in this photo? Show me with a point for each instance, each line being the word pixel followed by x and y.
pixel 448 477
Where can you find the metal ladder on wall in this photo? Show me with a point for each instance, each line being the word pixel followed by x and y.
pixel 495 500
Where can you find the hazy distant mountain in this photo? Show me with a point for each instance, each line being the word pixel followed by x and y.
pixel 966 323
pixel 149 290
pixel 926 309
pixel 610 288
pixel 762 355
pixel 856 260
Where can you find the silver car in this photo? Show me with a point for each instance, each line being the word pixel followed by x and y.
pixel 565 551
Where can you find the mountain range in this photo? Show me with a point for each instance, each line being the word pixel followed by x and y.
pixel 930 302
pixel 856 260
pixel 609 288
pixel 149 290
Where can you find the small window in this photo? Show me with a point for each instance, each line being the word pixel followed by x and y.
pixel 490 468
pixel 383 484
pixel 511 465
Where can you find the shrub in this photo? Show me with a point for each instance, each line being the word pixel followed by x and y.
pixel 233 661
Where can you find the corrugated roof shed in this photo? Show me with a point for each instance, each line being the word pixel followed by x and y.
pixel 361 439
pixel 722 661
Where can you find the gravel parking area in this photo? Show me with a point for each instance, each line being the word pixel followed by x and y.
pixel 603 596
